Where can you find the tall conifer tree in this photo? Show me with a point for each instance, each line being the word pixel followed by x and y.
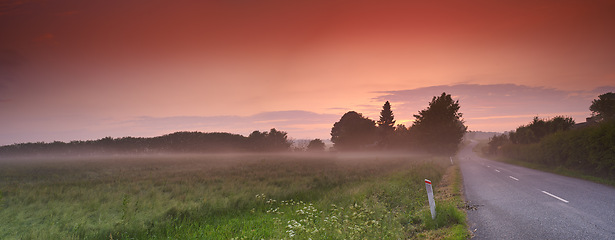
pixel 386 124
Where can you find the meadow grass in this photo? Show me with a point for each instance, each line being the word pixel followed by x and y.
pixel 225 196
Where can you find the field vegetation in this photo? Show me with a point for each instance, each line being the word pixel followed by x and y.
pixel 229 196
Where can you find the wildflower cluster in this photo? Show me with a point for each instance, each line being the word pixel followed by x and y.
pixel 306 221
pixel 261 196
pixel 354 221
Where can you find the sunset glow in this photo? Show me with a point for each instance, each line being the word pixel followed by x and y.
pixel 79 70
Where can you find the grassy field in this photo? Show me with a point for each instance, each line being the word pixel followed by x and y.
pixel 285 196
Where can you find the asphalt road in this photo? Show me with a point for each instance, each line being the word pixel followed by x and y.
pixel 514 202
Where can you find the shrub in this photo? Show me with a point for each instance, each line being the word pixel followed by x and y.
pixel 590 150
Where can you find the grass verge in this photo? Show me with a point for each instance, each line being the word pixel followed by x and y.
pixel 450 221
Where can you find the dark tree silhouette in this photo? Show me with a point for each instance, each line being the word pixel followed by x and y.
pixel 386 125
pixel 354 132
pixel 193 142
pixel 496 142
pixel 316 145
pixel 278 140
pixel 604 106
pixel 401 138
pixel 439 128
pixel 257 141
pixel 539 128
pixel 273 140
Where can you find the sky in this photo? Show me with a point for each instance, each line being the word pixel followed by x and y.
pixel 84 70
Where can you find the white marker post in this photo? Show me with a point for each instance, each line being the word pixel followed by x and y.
pixel 432 203
pixel 451 160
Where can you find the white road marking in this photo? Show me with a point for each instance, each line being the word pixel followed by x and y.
pixel 516 179
pixel 497 170
pixel 488 166
pixel 556 197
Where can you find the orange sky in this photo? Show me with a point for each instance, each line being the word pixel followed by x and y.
pixel 89 69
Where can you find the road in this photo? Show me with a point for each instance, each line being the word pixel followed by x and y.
pixel 514 202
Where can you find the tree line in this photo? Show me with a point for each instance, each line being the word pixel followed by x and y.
pixel 437 129
pixel 559 142
pixel 531 133
pixel 178 142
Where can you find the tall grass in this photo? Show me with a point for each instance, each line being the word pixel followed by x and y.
pixel 217 197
